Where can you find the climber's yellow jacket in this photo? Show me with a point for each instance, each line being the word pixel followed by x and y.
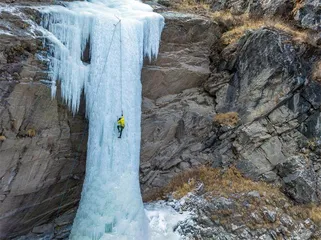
pixel 121 122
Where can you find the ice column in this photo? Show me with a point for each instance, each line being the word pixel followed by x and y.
pixel 119 34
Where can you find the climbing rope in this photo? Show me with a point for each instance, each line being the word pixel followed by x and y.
pixel 121 68
pixel 112 38
pixel 85 130
pixel 121 91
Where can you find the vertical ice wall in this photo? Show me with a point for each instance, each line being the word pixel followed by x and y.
pixel 120 33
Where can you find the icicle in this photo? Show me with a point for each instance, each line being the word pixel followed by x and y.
pixel 111 205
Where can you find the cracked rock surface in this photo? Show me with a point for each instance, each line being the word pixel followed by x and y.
pixel 266 79
pixel 39 136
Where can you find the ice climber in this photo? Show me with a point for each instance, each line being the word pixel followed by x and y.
pixel 121 125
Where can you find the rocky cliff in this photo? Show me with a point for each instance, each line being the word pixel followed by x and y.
pixel 267 80
pixel 252 103
pixel 177 112
pixel 39 138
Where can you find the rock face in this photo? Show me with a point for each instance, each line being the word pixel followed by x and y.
pixel 39 137
pixel 306 12
pixel 238 218
pixel 278 105
pixel 266 80
pixel 59 229
pixel 299 180
pixel 183 59
pixel 261 7
pixel 177 114
pixel 309 14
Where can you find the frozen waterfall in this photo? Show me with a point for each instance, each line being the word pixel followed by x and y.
pixel 119 34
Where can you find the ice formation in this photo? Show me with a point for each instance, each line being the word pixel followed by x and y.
pixel 164 218
pixel 119 34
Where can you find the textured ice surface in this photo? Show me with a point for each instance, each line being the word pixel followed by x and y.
pixel 163 220
pixel 120 34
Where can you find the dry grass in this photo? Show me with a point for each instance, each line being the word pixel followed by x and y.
pixel 301 36
pixel 218 182
pixel 311 211
pixel 227 119
pixel 243 23
pixel 315 214
pixel 233 185
pixel 228 19
pixel 231 181
pixel 237 25
pixel 236 33
pixel 223 16
pixel 180 185
pixel 191 6
pixel 2 138
pixel 316 72
pixel 31 132
pixel 183 190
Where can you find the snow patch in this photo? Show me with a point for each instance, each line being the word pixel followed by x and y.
pixel 164 220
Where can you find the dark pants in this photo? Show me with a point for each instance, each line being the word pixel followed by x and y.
pixel 120 130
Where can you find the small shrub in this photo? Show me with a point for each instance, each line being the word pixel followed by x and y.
pixel 31 132
pixel 228 18
pixel 192 6
pixel 185 189
pixel 315 214
pixel 311 211
pixel 2 138
pixel 183 183
pixel 316 72
pixel 227 119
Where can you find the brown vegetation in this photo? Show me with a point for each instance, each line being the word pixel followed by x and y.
pixel 227 119
pixel 237 25
pixel 316 72
pixel 215 180
pixel 230 183
pixel 2 138
pixel 191 6
pixel 219 182
pixel 314 213
pixel 31 132
pixel 244 23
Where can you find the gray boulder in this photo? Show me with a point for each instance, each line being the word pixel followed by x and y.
pixel 308 14
pixel 298 179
